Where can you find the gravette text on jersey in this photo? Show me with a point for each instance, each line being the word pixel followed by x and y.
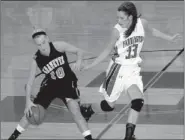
pixel 53 64
pixel 133 40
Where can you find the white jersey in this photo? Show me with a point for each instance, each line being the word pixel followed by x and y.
pixel 127 50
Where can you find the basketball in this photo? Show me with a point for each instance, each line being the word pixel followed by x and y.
pixel 38 115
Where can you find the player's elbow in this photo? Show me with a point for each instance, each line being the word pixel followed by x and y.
pixel 28 86
pixel 107 52
pixel 80 53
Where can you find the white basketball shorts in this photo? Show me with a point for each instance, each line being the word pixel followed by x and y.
pixel 118 79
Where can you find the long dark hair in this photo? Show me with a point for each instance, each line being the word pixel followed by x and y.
pixel 130 9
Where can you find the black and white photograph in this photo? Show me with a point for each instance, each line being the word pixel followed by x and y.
pixel 92 70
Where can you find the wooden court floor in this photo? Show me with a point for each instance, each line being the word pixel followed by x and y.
pixel 163 119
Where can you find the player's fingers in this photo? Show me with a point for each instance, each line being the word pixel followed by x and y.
pixel 32 97
pixel 177 34
pixel 29 112
pixel 74 66
pixel 26 114
pixel 34 105
pixel 177 37
pixel 82 66
pixel 25 111
pixel 82 69
pixel 176 40
pixel 78 67
pixel 85 68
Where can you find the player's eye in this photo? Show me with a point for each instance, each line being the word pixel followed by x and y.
pixel 39 44
pixel 124 19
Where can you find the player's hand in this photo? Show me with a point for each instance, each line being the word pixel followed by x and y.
pixel 176 38
pixel 77 65
pixel 29 105
pixel 86 67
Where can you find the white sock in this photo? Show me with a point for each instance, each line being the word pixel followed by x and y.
pixel 20 129
pixel 86 133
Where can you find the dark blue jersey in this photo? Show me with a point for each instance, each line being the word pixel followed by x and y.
pixel 55 66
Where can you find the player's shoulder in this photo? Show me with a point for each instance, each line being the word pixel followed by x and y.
pixel 118 28
pixel 59 45
pixel 144 22
pixel 35 56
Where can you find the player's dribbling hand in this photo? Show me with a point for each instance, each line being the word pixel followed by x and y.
pixel 27 110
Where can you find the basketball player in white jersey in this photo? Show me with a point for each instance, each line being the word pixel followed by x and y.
pixel 123 73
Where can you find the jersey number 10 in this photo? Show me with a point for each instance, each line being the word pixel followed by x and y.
pixel 59 73
pixel 132 51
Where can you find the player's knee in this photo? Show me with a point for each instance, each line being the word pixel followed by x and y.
pixel 105 106
pixel 137 104
pixel 68 100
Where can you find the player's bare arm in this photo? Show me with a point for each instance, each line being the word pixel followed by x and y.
pixel 29 85
pixel 113 38
pixel 66 47
pixel 158 33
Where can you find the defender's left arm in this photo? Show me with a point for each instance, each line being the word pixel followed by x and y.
pixel 157 33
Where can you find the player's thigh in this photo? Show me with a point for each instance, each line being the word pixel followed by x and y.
pixel 73 106
pixel 135 88
pixel 112 85
pixel 73 100
pixel 71 91
pixel 109 67
pixel 134 92
pixel 111 104
pixel 44 97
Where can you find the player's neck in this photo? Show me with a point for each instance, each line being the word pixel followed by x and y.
pixel 45 51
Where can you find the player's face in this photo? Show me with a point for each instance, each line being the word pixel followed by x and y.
pixel 42 42
pixel 123 19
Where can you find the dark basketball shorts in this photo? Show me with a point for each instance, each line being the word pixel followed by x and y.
pixel 48 92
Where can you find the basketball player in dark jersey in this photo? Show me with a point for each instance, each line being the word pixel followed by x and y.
pixel 59 82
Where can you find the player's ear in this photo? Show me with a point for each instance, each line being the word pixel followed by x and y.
pixel 34 40
pixel 47 38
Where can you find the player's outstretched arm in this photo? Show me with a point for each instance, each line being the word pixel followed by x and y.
pixel 158 33
pixel 111 43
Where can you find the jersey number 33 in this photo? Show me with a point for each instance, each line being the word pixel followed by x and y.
pixel 132 51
